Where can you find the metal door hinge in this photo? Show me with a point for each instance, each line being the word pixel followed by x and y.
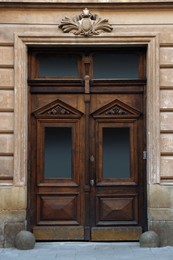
pixel 145 155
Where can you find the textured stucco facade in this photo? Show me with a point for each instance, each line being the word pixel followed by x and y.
pixel 28 23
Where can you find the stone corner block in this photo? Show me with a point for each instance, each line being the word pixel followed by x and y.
pixel 13 198
pixel 149 239
pixel 10 232
pixel 160 196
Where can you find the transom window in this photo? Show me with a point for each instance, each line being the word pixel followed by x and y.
pixel 97 63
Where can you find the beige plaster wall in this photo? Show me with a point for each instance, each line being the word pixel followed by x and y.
pixel 16 21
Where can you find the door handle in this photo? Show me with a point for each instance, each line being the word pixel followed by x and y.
pixel 92 182
pixel 92 159
pixel 87 84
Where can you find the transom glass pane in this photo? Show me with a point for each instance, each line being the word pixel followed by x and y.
pixel 58 65
pixel 116 65
pixel 58 152
pixel 116 153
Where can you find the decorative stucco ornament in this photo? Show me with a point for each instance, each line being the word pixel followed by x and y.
pixel 85 24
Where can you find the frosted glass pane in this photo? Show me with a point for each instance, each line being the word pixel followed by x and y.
pixel 58 66
pixel 116 65
pixel 58 157
pixel 116 153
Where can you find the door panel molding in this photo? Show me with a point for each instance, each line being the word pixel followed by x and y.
pixel 59 209
pixel 117 209
pixel 46 123
pixel 133 178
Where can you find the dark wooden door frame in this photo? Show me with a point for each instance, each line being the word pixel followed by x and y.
pixel 114 87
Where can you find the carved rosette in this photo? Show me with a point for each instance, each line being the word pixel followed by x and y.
pixel 116 111
pixel 58 111
pixel 85 24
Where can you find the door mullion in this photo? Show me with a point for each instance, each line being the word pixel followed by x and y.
pixel 87 168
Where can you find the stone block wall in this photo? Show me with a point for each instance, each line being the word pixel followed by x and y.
pixel 12 199
pixel 166 111
pixel 160 197
pixel 6 112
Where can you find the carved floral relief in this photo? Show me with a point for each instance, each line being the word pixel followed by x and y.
pixel 116 110
pixel 85 24
pixel 58 110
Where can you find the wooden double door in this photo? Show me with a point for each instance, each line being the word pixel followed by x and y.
pixel 86 171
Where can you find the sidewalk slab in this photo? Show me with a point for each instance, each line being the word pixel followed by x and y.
pixel 87 251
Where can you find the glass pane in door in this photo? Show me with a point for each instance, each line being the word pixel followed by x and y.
pixel 116 153
pixel 58 152
pixel 58 65
pixel 116 66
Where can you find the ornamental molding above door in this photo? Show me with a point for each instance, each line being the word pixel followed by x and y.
pixel 116 109
pixel 57 109
pixel 85 24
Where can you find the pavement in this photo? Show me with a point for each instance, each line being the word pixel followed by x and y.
pixel 87 251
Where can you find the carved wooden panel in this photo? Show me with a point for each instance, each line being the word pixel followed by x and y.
pixel 58 208
pixel 116 208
